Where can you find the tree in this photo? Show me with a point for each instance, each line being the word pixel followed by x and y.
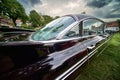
pixel 56 17
pixel 13 9
pixel 35 18
pixel 47 19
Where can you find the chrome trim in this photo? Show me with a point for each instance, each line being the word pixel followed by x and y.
pixel 75 17
pixel 91 18
pixel 52 42
pixel 62 33
pixel 78 64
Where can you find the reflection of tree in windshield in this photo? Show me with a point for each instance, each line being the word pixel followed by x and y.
pixel 9 37
pixel 51 30
pixel 47 29
pixel 57 28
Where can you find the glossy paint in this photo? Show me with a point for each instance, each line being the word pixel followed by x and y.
pixel 44 60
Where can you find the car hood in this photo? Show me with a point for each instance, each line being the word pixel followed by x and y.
pixel 14 36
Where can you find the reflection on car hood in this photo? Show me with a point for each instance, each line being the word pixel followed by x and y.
pixel 14 36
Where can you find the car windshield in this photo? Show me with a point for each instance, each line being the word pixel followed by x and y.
pixel 51 30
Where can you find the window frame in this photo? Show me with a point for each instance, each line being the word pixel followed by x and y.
pixel 79 31
pixel 60 37
pixel 52 25
pixel 82 23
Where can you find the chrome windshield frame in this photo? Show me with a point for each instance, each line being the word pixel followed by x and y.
pixel 59 38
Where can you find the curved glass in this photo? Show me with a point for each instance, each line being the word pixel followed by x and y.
pixel 52 29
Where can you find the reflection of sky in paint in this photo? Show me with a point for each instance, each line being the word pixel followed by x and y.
pixel 107 9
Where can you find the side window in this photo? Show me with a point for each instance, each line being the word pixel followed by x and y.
pixel 100 27
pixel 74 32
pixel 92 26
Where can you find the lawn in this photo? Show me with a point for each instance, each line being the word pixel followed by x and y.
pixel 105 65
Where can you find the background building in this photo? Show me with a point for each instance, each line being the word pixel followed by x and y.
pixel 112 26
pixel 18 23
pixel 5 22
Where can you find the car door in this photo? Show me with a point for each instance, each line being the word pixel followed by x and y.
pixel 71 48
pixel 67 51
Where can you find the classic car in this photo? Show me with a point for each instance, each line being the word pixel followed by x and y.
pixel 50 51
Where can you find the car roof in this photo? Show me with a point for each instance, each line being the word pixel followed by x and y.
pixel 79 17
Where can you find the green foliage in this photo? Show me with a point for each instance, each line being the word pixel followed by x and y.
pixel 35 18
pixel 56 17
pixel 13 9
pixel 38 20
pixel 46 19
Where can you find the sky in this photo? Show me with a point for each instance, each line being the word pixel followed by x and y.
pixel 108 10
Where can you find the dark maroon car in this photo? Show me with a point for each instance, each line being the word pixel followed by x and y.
pixel 52 50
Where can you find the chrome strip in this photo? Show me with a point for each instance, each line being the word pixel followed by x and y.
pixel 78 64
pixel 62 40
pixel 61 34
pixel 76 18
pixel 73 16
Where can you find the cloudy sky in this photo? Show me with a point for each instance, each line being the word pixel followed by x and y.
pixel 104 9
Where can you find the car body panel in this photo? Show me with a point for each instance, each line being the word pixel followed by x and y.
pixel 46 59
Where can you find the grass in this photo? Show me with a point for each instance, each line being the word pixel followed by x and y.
pixel 103 66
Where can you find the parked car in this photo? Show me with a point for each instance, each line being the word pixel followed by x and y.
pixel 51 50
